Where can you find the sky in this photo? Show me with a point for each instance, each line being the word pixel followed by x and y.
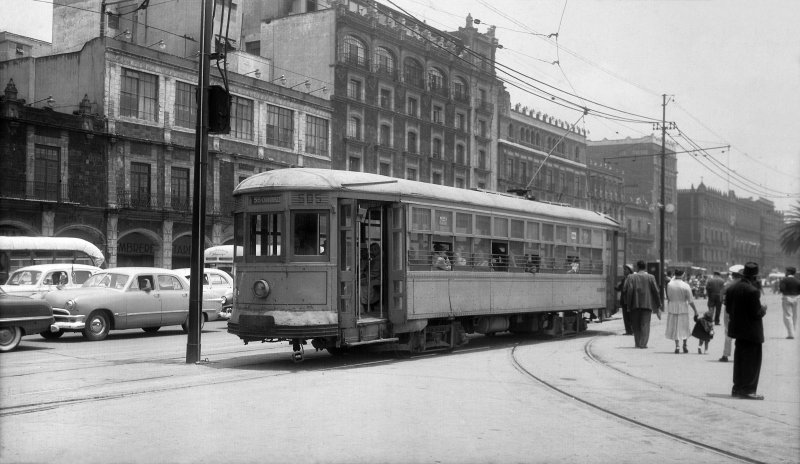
pixel 730 69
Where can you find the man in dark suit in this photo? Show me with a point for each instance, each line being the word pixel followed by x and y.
pixel 642 297
pixel 743 304
pixel 714 292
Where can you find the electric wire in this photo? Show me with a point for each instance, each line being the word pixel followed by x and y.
pixel 535 174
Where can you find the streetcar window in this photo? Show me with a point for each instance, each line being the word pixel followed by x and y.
pixel 501 227
pixel 266 235
pixel 444 221
pixel 561 234
pixel 517 229
pixel 419 249
pixel 420 218
pixel 238 234
pixel 533 231
pixel 597 238
pixel 547 232
pixel 483 225
pixel 463 223
pixel 586 237
pixel 516 255
pixel 572 235
pixel 481 252
pixel 499 256
pixel 310 233
pixel 461 256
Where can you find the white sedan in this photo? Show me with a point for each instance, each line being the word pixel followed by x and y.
pixel 217 292
pixel 122 298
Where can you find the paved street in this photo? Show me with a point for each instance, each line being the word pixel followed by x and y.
pixel 501 399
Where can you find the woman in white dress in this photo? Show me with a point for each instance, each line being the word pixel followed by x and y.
pixel 679 299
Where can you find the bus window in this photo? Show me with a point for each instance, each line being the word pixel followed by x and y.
pixel 266 234
pixel 310 233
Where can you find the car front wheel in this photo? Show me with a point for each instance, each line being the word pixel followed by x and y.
pixel 9 338
pixel 97 327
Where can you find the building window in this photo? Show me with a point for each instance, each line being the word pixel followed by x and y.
pixel 436 178
pixel 437 114
pixel 386 98
pixel 459 182
pixel 185 107
pixel 354 164
pixel 354 51
pixel 241 117
pixel 460 118
pixel 384 61
pixel 138 95
pixel 411 142
pixel 482 159
pixel 436 147
pixel 280 126
pixel 385 168
pixel 354 89
pixel 413 107
pixel 47 172
pixel 482 128
pixel 180 189
pixel 460 89
pixel 412 72
pixel 460 156
pixel 385 135
pixel 316 135
pixel 354 128
pixel 411 173
pixel 436 80
pixel 140 185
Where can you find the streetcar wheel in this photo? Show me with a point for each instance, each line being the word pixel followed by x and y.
pixel 9 338
pixel 151 329
pixel 97 327
pixel 52 335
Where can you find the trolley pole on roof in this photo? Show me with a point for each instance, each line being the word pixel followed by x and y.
pixel 199 201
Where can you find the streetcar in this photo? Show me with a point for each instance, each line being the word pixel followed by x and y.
pixel 345 259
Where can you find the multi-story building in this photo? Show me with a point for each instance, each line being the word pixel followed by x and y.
pixel 409 100
pixel 640 159
pixel 718 229
pixel 123 165
pixel 13 46
pixel 606 189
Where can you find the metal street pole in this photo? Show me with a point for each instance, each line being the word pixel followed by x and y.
pixel 663 204
pixel 199 201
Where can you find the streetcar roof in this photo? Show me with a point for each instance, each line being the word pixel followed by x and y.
pixel 407 190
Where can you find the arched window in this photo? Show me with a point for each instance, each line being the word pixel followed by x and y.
pixel 384 61
pixel 412 72
pixel 354 51
pixel 460 153
pixel 460 89
pixel 436 79
pixel 511 131
pixel 354 127
pixel 411 142
pixel 436 148
pixel 536 139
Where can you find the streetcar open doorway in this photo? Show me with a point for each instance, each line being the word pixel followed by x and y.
pixel 371 236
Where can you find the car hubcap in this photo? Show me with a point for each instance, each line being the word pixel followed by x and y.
pixel 97 326
pixel 6 336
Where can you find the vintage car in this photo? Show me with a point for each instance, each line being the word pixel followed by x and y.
pixel 122 298
pixel 35 281
pixel 217 292
pixel 20 316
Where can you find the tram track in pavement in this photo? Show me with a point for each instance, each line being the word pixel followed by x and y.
pixel 681 438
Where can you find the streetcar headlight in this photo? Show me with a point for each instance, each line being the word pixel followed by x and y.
pixel 70 306
pixel 261 289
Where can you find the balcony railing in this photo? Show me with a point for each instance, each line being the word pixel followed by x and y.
pixel 354 59
pixel 382 70
pixel 461 96
pixel 484 105
pixel 34 190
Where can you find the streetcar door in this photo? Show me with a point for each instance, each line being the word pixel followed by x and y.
pixel 348 274
pixel 396 256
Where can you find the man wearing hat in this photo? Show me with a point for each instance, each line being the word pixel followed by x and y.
pixel 790 289
pixel 714 292
pixel 626 313
pixel 734 275
pixel 743 304
pixel 642 298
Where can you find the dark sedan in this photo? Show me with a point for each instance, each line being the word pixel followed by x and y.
pixel 21 316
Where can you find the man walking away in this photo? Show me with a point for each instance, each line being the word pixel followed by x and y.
pixel 735 276
pixel 790 289
pixel 746 326
pixel 642 298
pixel 714 293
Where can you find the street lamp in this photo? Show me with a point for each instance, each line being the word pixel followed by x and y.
pixel 160 44
pixel 126 33
pixel 306 82
pixel 49 98
pixel 324 89
pixel 256 73
pixel 282 79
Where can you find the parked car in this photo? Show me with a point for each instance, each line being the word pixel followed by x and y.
pixel 20 316
pixel 227 305
pixel 35 281
pixel 217 291
pixel 123 298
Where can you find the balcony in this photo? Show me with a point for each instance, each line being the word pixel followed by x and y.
pixel 385 71
pixel 137 200
pixel 353 59
pixel 485 106
pixel 34 190
pixel 460 96
pixel 441 91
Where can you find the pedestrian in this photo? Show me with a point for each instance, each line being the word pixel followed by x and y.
pixel 747 328
pixel 679 299
pixel 714 293
pixel 642 297
pixel 735 275
pixel 790 289
pixel 703 330
pixel 626 314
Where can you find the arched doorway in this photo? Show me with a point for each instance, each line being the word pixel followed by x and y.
pixel 182 252
pixel 135 249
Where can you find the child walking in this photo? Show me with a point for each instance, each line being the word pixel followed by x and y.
pixel 703 330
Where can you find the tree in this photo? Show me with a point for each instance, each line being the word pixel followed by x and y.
pixel 790 234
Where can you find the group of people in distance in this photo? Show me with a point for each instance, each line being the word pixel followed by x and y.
pixel 640 297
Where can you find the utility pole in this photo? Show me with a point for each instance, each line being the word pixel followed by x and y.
pixel 662 206
pixel 199 202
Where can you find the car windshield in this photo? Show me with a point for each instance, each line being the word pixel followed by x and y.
pixel 107 280
pixel 24 278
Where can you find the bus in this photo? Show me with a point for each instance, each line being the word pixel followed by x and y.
pixel 346 259
pixel 17 252
pixel 220 257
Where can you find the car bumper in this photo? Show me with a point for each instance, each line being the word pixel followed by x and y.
pixel 66 321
